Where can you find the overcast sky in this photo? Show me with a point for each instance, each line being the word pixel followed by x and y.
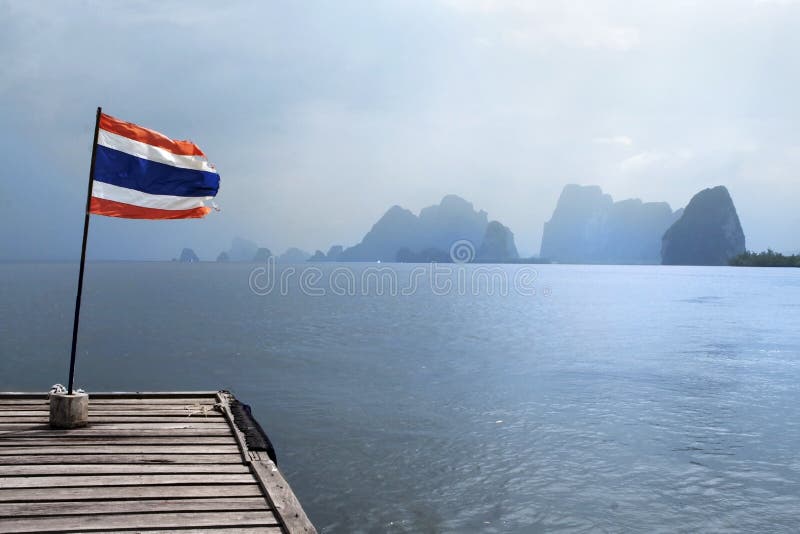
pixel 321 115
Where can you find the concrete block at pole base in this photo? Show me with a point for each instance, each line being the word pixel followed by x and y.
pixel 69 411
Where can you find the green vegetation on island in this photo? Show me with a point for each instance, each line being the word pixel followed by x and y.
pixel 770 258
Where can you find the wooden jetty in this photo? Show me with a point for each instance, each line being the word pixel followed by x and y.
pixel 147 462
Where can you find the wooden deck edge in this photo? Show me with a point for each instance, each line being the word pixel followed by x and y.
pixel 116 394
pixel 273 485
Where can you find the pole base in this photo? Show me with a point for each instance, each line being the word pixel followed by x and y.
pixel 69 411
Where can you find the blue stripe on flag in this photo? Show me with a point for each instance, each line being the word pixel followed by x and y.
pixel 123 170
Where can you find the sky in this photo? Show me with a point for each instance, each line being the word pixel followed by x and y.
pixel 320 115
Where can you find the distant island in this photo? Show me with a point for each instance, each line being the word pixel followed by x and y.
pixel 708 232
pixel 400 235
pixel 587 226
pixel 769 258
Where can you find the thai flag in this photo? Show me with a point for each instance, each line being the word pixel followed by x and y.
pixel 142 174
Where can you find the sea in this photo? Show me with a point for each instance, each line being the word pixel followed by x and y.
pixel 462 397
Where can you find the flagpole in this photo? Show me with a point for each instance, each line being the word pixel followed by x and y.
pixel 83 256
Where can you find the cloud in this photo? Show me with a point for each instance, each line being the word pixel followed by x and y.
pixel 622 140
pixel 655 160
pixel 539 26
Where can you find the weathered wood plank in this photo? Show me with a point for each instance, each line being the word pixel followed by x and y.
pixel 281 497
pixel 119 469
pixel 120 449
pixel 123 459
pixel 95 420
pixel 41 431
pixel 214 530
pixel 234 530
pixel 118 394
pixel 122 414
pixel 94 399
pixel 110 406
pixel 274 487
pixel 138 521
pixel 90 433
pixel 121 480
pixel 69 441
pixel 105 493
pixel 194 423
pixel 41 509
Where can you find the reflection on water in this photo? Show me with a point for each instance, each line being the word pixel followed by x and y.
pixel 627 399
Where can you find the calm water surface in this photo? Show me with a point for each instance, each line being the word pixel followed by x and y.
pixel 616 399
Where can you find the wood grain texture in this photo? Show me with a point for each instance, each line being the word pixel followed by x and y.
pixel 223 504
pixel 122 459
pixel 137 521
pixel 105 493
pixel 117 469
pixel 85 481
pixel 119 449
pixel 147 462
pixel 275 488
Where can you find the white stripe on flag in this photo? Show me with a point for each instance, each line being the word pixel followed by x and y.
pixel 145 200
pixel 152 153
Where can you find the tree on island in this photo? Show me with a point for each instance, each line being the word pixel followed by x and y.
pixel 770 258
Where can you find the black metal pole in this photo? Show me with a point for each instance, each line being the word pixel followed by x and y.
pixel 83 256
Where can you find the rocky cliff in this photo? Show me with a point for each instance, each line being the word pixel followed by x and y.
pixel 587 226
pixel 436 227
pixel 498 244
pixel 708 232
pixel 188 256
pixel 293 255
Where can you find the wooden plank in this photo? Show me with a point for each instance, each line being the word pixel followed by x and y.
pixel 94 400
pixel 106 432
pixel 121 480
pixel 120 449
pixel 282 498
pixel 193 423
pixel 138 521
pixel 104 493
pixel 122 459
pixel 234 530
pixel 119 469
pixel 109 406
pixel 114 420
pixel 125 394
pixel 223 504
pixel 274 487
pixel 9 414
pixel 69 441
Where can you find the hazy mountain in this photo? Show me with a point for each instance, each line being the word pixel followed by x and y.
pixel 334 253
pixel 708 232
pixel 188 256
pixel 293 255
pixel 436 227
pixel 498 244
pixel 242 249
pixel 261 255
pixel 587 226
pixel 223 257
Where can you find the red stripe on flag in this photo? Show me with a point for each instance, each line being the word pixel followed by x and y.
pixel 150 137
pixel 111 208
